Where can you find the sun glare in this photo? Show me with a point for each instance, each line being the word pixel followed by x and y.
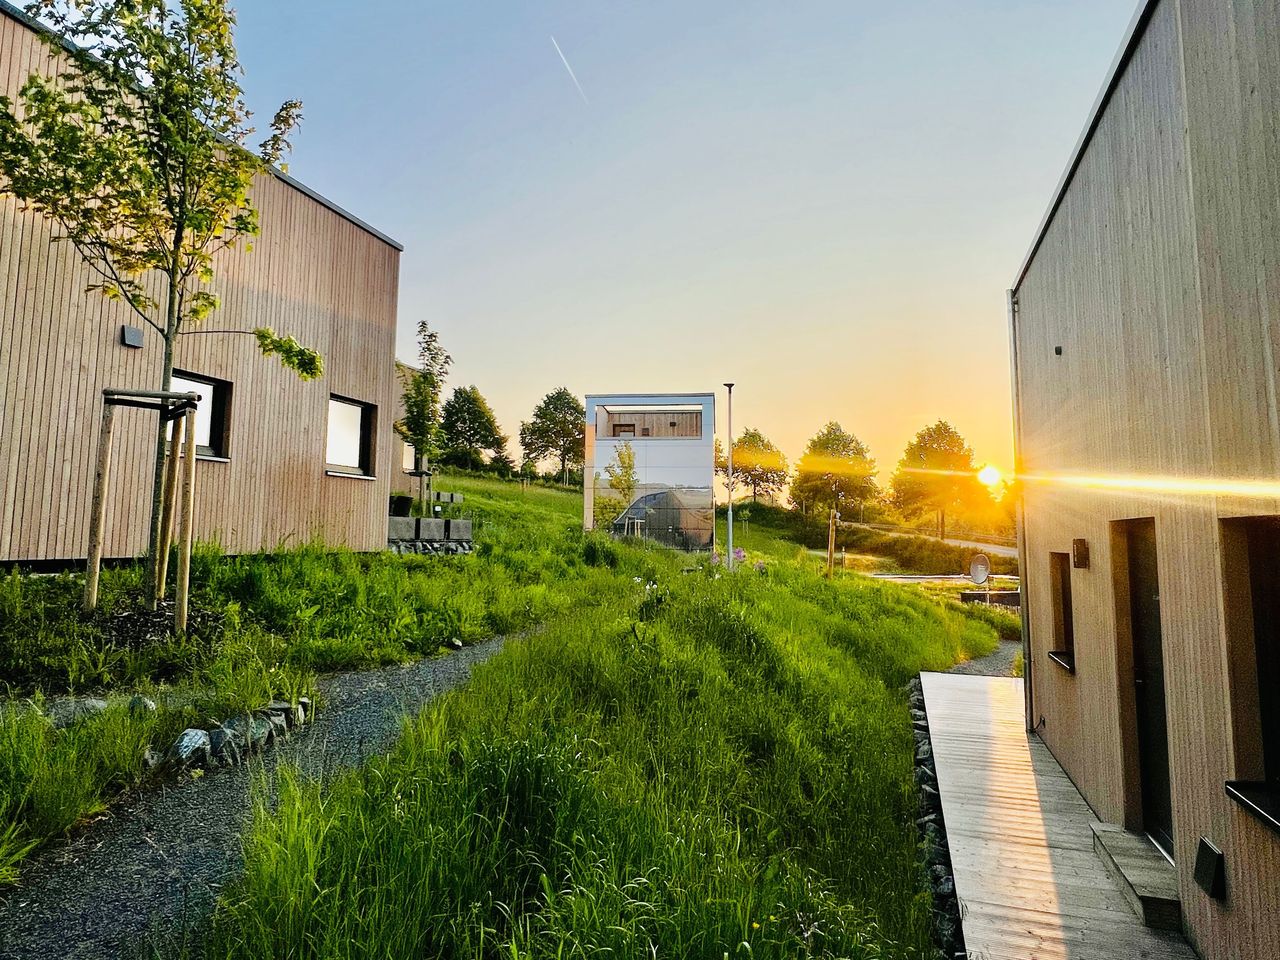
pixel 990 475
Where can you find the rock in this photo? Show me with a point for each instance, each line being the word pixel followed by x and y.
pixel 303 710
pixel 140 704
pixel 191 749
pixel 279 727
pixel 924 776
pixel 946 887
pixel 924 752
pixel 63 713
pixel 255 733
pixel 283 710
pixel 151 759
pixel 225 745
pixel 453 643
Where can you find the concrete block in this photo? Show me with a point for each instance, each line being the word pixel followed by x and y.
pixel 402 528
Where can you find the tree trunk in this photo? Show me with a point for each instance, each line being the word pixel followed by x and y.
pixel 162 430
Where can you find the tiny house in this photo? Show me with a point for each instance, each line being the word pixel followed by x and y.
pixel 280 461
pixel 1145 324
pixel 650 467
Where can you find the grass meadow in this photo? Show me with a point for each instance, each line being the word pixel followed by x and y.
pixel 690 763
pixel 679 761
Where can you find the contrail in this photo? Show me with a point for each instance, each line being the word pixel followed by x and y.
pixel 570 69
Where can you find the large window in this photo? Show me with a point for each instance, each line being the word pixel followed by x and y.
pixel 349 449
pixel 212 412
pixel 1064 635
pixel 1264 587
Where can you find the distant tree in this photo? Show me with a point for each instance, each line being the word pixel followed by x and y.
pixel 836 467
pixel 469 428
pixel 622 474
pixel 137 150
pixel 501 462
pixel 756 463
pixel 937 473
pixel 557 429
pixel 421 390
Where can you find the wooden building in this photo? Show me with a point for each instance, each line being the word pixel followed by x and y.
pixel 1146 335
pixel 283 461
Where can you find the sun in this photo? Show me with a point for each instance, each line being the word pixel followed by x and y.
pixel 990 476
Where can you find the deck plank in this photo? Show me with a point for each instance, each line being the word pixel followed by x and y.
pixel 1029 884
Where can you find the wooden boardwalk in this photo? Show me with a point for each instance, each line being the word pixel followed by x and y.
pixel 1029 884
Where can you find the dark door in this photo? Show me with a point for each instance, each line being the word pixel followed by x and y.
pixel 1148 678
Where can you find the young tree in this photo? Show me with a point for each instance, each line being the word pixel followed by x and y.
pixel 422 387
pixel 469 428
pixel 137 150
pixel 756 462
pixel 936 472
pixel 836 467
pixel 622 474
pixel 557 429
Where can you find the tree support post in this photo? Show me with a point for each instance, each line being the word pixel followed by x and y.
pixel 97 517
pixel 188 525
pixel 170 496
pixel 831 544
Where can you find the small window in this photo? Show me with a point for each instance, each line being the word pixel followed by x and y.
pixel 349 449
pixel 406 461
pixel 1064 637
pixel 212 412
pixel 624 429
pixel 644 431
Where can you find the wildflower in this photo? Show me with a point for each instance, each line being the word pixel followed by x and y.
pixel 739 554
pixel 755 925
pixel 715 559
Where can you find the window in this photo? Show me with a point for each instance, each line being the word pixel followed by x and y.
pixel 349 449
pixel 1251 587
pixel 1064 637
pixel 624 429
pixel 406 460
pixel 212 412
pixel 1263 537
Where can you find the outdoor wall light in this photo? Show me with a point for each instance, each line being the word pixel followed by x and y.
pixel 1211 869
pixel 131 337
pixel 1080 554
pixel 1057 351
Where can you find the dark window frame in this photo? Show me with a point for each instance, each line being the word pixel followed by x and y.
pixel 1064 632
pixel 368 434
pixel 219 399
pixel 623 430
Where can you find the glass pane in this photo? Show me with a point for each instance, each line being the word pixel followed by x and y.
pixel 344 434
pixel 204 410
pixel 407 462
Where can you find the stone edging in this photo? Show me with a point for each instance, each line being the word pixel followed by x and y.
pixel 948 932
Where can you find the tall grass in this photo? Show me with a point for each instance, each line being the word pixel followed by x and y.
pixel 691 765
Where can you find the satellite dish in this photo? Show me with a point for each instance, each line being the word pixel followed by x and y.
pixel 979 568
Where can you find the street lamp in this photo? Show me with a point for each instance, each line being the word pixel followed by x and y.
pixel 729 553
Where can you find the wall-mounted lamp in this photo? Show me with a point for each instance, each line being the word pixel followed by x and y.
pixel 1080 554
pixel 131 337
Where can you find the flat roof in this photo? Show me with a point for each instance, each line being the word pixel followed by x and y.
pixel 20 15
pixel 1133 36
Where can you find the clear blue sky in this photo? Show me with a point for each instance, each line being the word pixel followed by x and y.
pixel 823 201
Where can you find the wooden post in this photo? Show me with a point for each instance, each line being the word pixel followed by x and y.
pixel 97 516
pixel 831 543
pixel 170 496
pixel 188 525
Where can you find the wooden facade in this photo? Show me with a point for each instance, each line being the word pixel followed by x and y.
pixel 654 423
pixel 315 272
pixel 1145 333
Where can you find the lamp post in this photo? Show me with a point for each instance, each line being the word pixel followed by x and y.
pixel 729 549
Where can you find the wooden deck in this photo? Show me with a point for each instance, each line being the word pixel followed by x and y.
pixel 1029 883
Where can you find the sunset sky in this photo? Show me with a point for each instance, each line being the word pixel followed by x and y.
pixel 822 201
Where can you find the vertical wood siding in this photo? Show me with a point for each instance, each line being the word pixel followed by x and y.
pixel 1159 277
pixel 312 273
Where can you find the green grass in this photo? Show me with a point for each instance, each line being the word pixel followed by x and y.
pixel 904 554
pixel 274 622
pixel 696 764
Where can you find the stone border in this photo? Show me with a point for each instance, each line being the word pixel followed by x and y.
pixel 948 930
pixel 227 744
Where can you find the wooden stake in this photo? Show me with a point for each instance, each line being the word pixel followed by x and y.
pixel 170 495
pixel 831 543
pixel 188 525
pixel 97 517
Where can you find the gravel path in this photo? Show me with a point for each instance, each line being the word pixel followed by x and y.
pixel 161 856
pixel 996 664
